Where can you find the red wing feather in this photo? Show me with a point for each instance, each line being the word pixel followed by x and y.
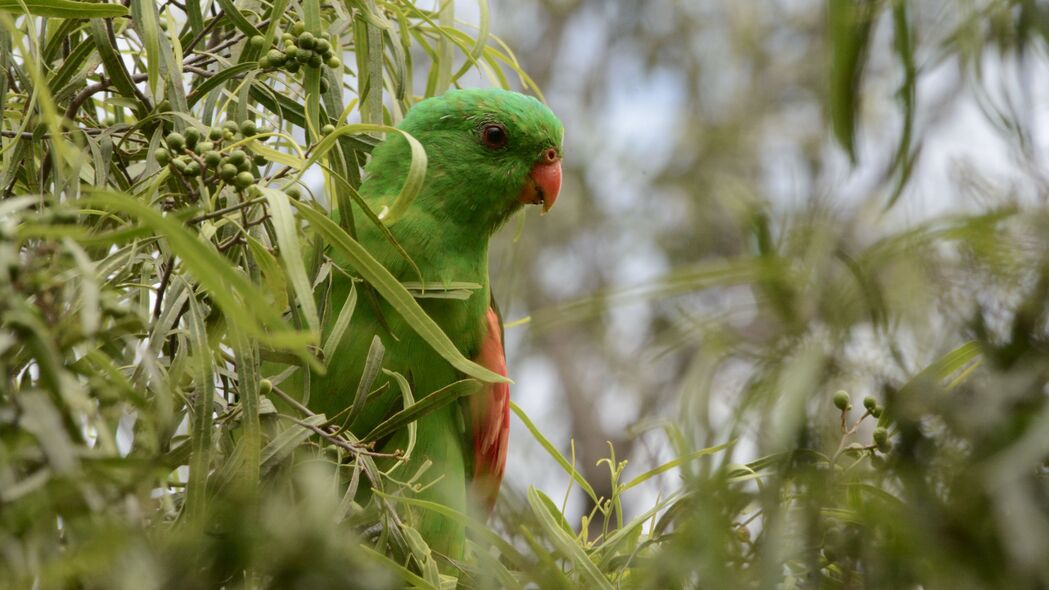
pixel 490 417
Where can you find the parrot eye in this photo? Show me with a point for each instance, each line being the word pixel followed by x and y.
pixel 494 136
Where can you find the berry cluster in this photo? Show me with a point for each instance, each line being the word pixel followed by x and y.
pixel 301 49
pixel 190 154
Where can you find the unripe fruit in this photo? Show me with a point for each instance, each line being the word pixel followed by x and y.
pixel 163 156
pixel 180 165
pixel 265 386
pixel 334 63
pixel 881 436
pixel 204 147
pixel 253 191
pixel 303 56
pixel 869 403
pixel 264 62
pixel 306 40
pixel 259 160
pixel 227 172
pixel 192 136
pixel 328 129
pixel 291 52
pixel 841 401
pixel 243 180
pixel 298 27
pixel 248 128
pixel 288 38
pixel 176 141
pixel 321 46
pixel 215 134
pixel 257 41
pixel 212 159
pixel 193 168
pixel 276 57
pixel 315 60
pixel 231 126
pixel 293 192
pixel 237 157
pixel 292 68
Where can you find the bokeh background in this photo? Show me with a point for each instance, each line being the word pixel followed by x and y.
pixel 683 118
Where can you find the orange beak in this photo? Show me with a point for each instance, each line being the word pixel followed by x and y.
pixel 544 181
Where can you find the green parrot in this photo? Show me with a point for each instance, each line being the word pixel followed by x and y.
pixel 489 153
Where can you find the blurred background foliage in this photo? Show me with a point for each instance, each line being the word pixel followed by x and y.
pixel 785 328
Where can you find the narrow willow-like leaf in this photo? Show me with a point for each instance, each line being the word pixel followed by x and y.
pixel 553 452
pixel 564 542
pixel 64 8
pixel 285 224
pixel 338 328
pixel 423 406
pixel 372 366
pixel 672 464
pixel 416 170
pixel 397 296
pixel 228 287
pixel 200 426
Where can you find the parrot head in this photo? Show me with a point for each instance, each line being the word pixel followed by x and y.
pixel 489 152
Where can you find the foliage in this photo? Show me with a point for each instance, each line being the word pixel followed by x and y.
pixel 152 300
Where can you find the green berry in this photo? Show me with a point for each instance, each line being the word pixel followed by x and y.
pixel 334 63
pixel 303 56
pixel 244 180
pixel 841 401
pixel 163 156
pixel 259 160
pixel 192 136
pixel 254 191
pixel 288 38
pixel 180 165
pixel 315 60
pixel 176 141
pixel 257 42
pixel 869 403
pixel 275 57
pixel 293 192
pixel 204 147
pixel 880 436
pixel 876 412
pixel 231 126
pixel 881 440
pixel 227 172
pixel 326 36
pixel 248 128
pixel 264 63
pixel 306 40
pixel 298 28
pixel 291 52
pixel 237 157
pixel 328 129
pixel 321 46
pixel 215 134
pixel 193 168
pixel 293 67
pixel 265 386
pixel 212 158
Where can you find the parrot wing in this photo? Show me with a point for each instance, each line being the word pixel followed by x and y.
pixel 490 417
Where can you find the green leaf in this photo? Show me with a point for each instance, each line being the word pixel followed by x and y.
pixel 64 8
pixel 239 300
pixel 565 542
pixel 436 400
pixel 394 293
pixel 849 25
pixel 285 226
pixel 553 452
